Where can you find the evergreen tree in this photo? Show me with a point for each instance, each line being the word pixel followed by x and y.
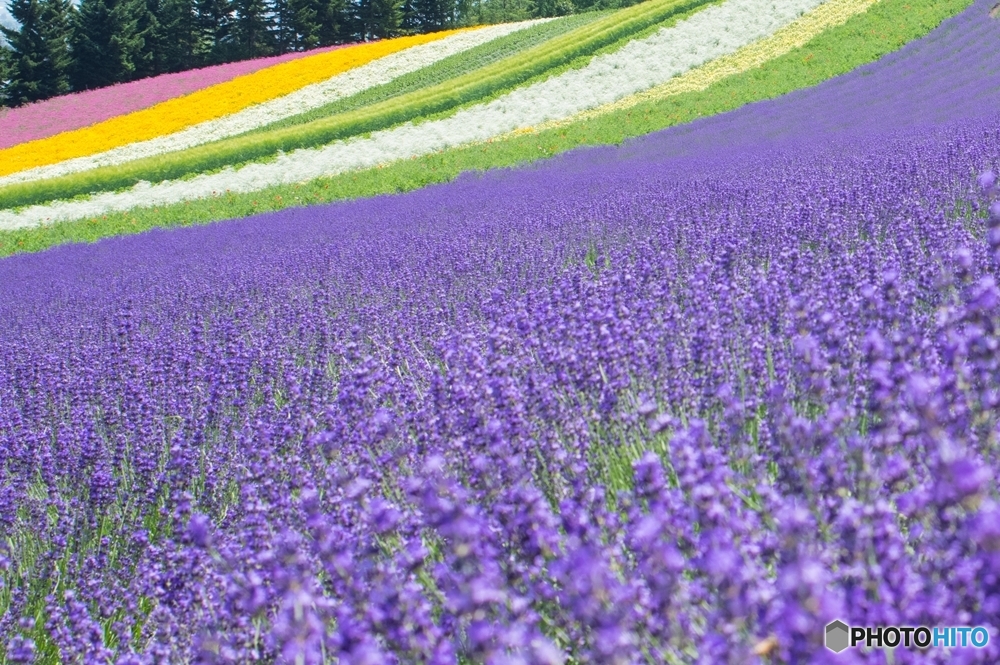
pixel 333 19
pixel 409 23
pixel 306 24
pixel 107 43
pixel 549 8
pixel 379 19
pixel 502 11
pixel 4 70
pixel 253 29
pixel 598 5
pixel 38 62
pixel 463 13
pixel 149 58
pixel 180 42
pixel 57 17
pixel 286 33
pixel 433 15
pixel 215 21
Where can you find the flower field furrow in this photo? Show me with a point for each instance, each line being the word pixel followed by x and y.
pixel 713 33
pixel 788 38
pixel 69 112
pixel 687 400
pixel 902 88
pixel 709 33
pixel 449 68
pixel 212 102
pixel 869 40
pixel 514 70
pixel 355 80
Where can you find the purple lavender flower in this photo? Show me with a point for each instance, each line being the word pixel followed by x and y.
pixel 986 181
pixel 687 400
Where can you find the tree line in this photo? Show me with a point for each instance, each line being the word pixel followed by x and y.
pixel 60 47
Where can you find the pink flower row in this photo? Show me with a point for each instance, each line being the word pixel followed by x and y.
pixel 61 114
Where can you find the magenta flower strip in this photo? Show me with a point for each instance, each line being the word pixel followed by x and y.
pixel 82 109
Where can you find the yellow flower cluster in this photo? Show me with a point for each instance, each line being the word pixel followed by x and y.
pixel 207 104
pixel 794 35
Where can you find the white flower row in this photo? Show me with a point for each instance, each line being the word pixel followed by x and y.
pixel 709 34
pixel 791 36
pixel 377 72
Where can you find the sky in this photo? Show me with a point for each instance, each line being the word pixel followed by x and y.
pixel 5 16
pixel 6 19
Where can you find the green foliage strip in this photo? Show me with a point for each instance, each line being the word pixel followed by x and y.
pixel 884 28
pixel 437 98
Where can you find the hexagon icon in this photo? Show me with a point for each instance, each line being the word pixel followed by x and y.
pixel 837 636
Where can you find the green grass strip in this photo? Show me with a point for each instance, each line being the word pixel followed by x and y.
pixel 576 63
pixel 444 70
pixel 475 85
pixel 864 38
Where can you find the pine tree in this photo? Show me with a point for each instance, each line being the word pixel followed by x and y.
pixel 306 24
pixel 215 21
pixel 433 15
pixel 107 44
pixel 4 70
pixel 410 23
pixel 149 58
pixel 333 19
pixel 286 34
pixel 502 11
pixel 379 19
pixel 57 18
pixel 253 29
pixel 38 62
pixel 463 12
pixel 180 42
pixel 549 8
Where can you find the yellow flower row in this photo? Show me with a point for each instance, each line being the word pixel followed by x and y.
pixel 207 104
pixel 794 35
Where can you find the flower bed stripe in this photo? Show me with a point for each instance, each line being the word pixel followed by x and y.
pixel 713 32
pixel 81 109
pixel 879 34
pixel 214 102
pixel 447 69
pixel 792 36
pixel 356 80
pixel 483 83
pixel 266 410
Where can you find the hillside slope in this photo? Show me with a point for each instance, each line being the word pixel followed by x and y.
pixel 858 32
pixel 684 400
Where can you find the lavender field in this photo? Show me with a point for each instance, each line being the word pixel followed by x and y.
pixel 683 401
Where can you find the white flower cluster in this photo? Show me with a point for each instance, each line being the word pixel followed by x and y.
pixel 311 97
pixel 712 33
pixel 792 36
